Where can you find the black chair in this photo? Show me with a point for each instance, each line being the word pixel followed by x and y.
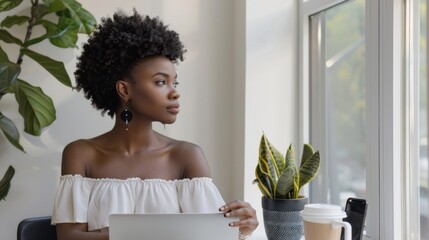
pixel 38 228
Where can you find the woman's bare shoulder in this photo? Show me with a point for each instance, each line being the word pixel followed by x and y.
pixel 192 157
pixel 76 156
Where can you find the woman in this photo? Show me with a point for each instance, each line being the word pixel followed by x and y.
pixel 127 70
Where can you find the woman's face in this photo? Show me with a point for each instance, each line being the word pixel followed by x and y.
pixel 154 95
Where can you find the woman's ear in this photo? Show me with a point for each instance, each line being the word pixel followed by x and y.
pixel 123 90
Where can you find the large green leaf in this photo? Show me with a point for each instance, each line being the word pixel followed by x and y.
pixel 72 9
pixel 54 5
pixel 54 67
pixel 8 38
pixel 36 108
pixel 3 56
pixel 8 74
pixel 52 32
pixel 10 131
pixel 66 39
pixel 88 21
pixel 309 169
pixel 9 21
pixel 82 17
pixel 40 11
pixel 6 5
pixel 5 182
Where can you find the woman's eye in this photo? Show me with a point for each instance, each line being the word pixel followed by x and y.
pixel 175 84
pixel 160 82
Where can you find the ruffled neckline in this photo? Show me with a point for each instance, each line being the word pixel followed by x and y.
pixel 133 179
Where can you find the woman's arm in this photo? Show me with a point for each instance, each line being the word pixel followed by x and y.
pixel 74 161
pixel 78 231
pixel 196 166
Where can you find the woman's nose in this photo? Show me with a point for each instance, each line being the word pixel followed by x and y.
pixel 175 94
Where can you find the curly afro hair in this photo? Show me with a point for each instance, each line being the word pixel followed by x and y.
pixel 114 48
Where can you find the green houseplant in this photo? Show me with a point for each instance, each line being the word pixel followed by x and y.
pixel 280 181
pixel 61 21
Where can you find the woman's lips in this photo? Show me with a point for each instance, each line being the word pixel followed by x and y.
pixel 174 109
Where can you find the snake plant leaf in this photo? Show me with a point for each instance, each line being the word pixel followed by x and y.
pixel 54 67
pixel 309 169
pixel 8 74
pixel 10 21
pixel 260 172
pixel 263 165
pixel 36 108
pixel 290 163
pixel 290 157
pixel 10 131
pixel 5 182
pixel 280 160
pixel 5 36
pixel 285 183
pixel 6 5
pixel 267 155
pixel 307 152
pixel 296 188
pixel 264 182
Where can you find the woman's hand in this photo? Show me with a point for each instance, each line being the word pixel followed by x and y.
pixel 245 212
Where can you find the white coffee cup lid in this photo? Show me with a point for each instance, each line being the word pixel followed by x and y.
pixel 322 211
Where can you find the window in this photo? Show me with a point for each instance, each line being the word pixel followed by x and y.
pixel 338 100
pixel 352 78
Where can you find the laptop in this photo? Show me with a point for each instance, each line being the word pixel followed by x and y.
pixel 182 226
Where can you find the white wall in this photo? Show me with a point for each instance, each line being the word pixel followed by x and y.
pixel 239 78
pixel 271 84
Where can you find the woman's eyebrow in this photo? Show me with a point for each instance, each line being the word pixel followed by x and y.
pixel 164 75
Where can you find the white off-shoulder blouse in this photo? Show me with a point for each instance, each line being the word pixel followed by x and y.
pixel 87 200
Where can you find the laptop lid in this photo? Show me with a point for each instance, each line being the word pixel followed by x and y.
pixel 182 226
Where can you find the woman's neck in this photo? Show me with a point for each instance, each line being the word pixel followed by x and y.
pixel 138 135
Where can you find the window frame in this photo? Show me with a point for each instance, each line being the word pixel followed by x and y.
pixel 383 51
pixel 411 204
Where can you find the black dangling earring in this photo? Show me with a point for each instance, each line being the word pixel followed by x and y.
pixel 126 116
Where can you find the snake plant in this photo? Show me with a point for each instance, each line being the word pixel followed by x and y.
pixel 278 176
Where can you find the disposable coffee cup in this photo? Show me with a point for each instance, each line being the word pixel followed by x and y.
pixel 324 222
